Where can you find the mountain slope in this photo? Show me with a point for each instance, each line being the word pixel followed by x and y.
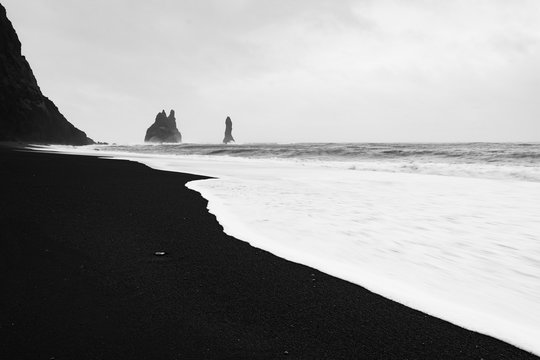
pixel 25 113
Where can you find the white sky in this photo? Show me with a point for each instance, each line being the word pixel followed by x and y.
pixel 290 70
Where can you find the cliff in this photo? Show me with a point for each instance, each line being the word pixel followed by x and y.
pixel 25 113
pixel 228 131
pixel 163 129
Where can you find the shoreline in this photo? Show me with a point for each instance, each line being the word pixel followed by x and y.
pixel 83 281
pixel 464 302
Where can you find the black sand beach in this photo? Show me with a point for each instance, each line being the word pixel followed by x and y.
pixel 80 279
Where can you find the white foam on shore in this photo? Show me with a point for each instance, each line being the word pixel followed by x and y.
pixel 465 250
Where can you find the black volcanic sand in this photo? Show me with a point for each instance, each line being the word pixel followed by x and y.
pixel 79 279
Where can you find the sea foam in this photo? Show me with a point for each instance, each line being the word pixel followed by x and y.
pixel 463 249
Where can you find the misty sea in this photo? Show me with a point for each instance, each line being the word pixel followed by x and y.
pixel 449 229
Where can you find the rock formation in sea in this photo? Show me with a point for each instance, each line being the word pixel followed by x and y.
pixel 163 129
pixel 26 115
pixel 228 131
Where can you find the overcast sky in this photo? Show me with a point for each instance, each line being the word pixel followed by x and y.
pixel 290 70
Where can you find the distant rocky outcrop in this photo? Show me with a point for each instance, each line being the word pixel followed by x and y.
pixel 228 131
pixel 163 129
pixel 26 115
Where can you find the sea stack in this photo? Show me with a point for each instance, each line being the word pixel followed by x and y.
pixel 163 130
pixel 228 131
pixel 26 115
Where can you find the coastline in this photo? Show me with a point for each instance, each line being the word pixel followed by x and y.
pixel 83 281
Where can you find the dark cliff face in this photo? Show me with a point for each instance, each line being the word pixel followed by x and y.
pixel 228 131
pixel 25 113
pixel 163 129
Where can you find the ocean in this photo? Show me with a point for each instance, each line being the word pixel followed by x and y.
pixel 518 161
pixel 452 230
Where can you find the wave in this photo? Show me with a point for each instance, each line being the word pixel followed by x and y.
pixel 517 161
pixel 498 152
